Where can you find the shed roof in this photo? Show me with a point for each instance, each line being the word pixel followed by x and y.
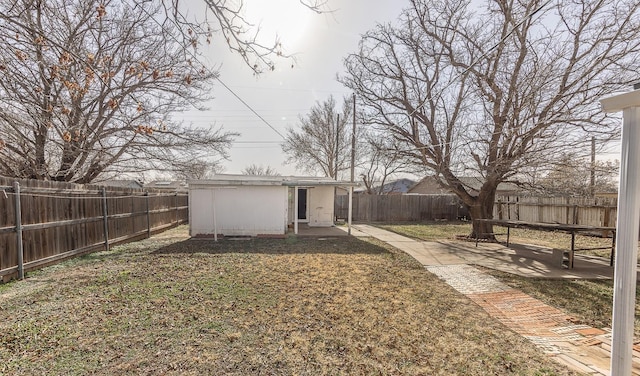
pixel 262 180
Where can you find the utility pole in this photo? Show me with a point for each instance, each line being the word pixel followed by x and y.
pixel 353 140
pixel 592 183
pixel 337 146
pixel 353 162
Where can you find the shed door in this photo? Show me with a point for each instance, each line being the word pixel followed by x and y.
pixel 302 204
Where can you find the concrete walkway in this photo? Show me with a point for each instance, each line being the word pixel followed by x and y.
pixel 580 347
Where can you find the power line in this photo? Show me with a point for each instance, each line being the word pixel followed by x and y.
pixel 170 33
pixel 256 147
pixel 250 108
pixel 280 88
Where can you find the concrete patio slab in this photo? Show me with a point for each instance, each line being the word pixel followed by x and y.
pixel 429 253
pixel 528 260
pixel 520 259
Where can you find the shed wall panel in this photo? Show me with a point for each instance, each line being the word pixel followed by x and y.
pixel 241 210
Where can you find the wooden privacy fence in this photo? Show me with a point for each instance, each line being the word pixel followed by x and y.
pixel 42 222
pixel 400 208
pixel 588 211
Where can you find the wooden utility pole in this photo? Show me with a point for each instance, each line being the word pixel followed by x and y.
pixel 353 141
pixel 337 146
pixel 592 183
pixel 353 162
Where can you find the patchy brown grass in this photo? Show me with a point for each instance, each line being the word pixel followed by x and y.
pixel 168 305
pixel 430 230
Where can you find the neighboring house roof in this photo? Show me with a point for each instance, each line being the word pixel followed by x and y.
pixel 122 184
pixel 397 186
pixel 429 185
pixel 291 181
pixel 167 185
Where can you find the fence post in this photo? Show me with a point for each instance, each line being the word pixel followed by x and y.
pixel 106 219
pixel 540 206
pixel 16 190
pixel 175 203
pixel 146 194
pixel 356 202
pixel 607 214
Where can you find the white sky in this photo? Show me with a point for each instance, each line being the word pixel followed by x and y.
pixel 319 42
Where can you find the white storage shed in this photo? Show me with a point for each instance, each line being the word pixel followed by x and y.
pixel 245 205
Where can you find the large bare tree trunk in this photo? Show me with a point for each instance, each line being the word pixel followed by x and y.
pixel 481 230
pixel 481 207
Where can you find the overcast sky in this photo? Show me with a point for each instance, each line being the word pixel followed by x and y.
pixel 319 42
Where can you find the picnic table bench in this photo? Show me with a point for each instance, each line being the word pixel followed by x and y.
pixel 557 227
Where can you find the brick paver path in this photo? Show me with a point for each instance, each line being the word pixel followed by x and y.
pixel 581 347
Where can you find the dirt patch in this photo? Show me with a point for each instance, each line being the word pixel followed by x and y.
pixel 301 306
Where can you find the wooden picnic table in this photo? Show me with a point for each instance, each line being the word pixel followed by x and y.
pixel 558 227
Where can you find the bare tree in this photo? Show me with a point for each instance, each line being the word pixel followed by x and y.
pixel 88 88
pixel 240 35
pixel 491 90
pixel 197 169
pixel 572 177
pixel 381 159
pixel 261 170
pixel 322 143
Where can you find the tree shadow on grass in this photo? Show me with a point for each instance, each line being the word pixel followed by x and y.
pixel 291 245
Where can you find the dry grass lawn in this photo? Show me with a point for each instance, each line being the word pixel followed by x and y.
pixel 172 306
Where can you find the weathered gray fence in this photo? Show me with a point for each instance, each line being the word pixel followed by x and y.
pixel 400 208
pixel 42 222
pixel 599 211
pixel 587 211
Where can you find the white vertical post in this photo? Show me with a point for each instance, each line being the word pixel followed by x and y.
pixel 295 210
pixel 350 209
pixel 628 222
pixel 213 209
